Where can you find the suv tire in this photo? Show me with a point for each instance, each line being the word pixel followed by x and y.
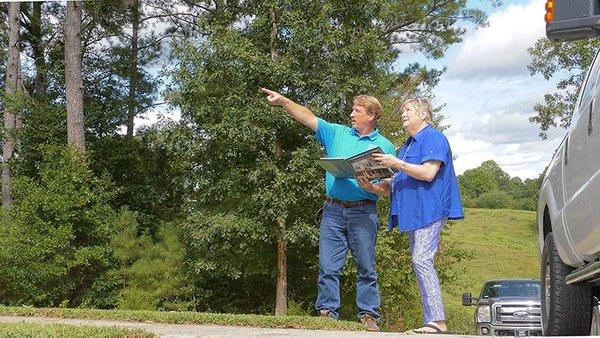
pixel 566 309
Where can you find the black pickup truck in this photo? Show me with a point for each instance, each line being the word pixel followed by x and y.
pixel 507 307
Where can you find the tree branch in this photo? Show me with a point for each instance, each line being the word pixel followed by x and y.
pixel 155 42
pixel 433 9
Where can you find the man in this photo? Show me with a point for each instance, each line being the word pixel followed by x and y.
pixel 349 213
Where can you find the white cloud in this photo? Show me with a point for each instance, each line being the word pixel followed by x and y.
pixel 488 120
pixel 469 153
pixel 525 160
pixel 500 49
pixel 504 127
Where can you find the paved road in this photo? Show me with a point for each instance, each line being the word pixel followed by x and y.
pixel 184 330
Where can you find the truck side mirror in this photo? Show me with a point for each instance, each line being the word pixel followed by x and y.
pixel 467 299
pixel 572 20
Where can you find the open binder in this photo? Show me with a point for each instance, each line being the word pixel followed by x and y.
pixel 341 167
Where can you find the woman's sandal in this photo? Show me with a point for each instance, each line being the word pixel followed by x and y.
pixel 436 330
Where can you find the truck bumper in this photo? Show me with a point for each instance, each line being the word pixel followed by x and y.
pixel 487 329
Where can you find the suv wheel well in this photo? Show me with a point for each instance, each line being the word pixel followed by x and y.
pixel 547 224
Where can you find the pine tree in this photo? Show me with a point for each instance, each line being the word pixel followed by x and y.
pixel 73 74
pixel 13 71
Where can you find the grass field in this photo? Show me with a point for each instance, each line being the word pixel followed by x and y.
pixel 504 245
pixel 67 331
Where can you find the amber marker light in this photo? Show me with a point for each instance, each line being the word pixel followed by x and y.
pixel 549 11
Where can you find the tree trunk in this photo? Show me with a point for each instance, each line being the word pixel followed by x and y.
pixel 18 116
pixel 133 72
pixel 39 87
pixel 12 87
pixel 281 288
pixel 273 36
pixel 281 293
pixel 75 127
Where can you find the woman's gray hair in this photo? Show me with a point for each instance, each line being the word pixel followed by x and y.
pixel 422 106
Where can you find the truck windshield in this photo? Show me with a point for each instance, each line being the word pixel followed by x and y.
pixel 527 289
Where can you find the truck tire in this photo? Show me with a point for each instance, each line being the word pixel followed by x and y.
pixel 566 309
pixel 595 331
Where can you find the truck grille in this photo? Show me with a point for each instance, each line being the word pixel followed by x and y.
pixel 517 314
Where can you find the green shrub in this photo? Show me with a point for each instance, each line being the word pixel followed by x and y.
pixel 495 200
pixel 53 245
pixel 529 203
pixel 152 271
pixel 231 261
pixel 468 201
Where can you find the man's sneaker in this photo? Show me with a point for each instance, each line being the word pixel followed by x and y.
pixel 325 313
pixel 369 322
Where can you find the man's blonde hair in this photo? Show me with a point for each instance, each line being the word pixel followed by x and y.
pixel 370 103
pixel 421 106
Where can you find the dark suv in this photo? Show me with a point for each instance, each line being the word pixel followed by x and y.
pixel 507 307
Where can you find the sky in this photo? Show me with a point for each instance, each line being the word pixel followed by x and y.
pixel 488 92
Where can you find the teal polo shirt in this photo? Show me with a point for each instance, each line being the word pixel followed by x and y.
pixel 343 141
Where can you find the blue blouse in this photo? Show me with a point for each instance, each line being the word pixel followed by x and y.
pixel 416 203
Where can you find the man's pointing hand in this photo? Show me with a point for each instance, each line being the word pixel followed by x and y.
pixel 274 98
pixel 298 112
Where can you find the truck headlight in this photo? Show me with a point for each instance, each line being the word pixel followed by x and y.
pixel 483 314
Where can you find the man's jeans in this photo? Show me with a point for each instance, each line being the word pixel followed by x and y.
pixel 343 229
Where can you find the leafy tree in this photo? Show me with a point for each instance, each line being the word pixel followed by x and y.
pixel 255 164
pixel 71 227
pixel 477 181
pixel 494 169
pixel 516 186
pixel 568 61
pixel 488 186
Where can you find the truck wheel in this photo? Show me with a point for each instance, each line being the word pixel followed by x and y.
pixel 595 331
pixel 566 309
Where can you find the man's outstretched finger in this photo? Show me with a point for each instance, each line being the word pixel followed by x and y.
pixel 266 91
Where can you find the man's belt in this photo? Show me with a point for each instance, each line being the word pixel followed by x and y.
pixel 349 204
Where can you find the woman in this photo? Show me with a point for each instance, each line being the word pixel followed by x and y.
pixel 424 195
